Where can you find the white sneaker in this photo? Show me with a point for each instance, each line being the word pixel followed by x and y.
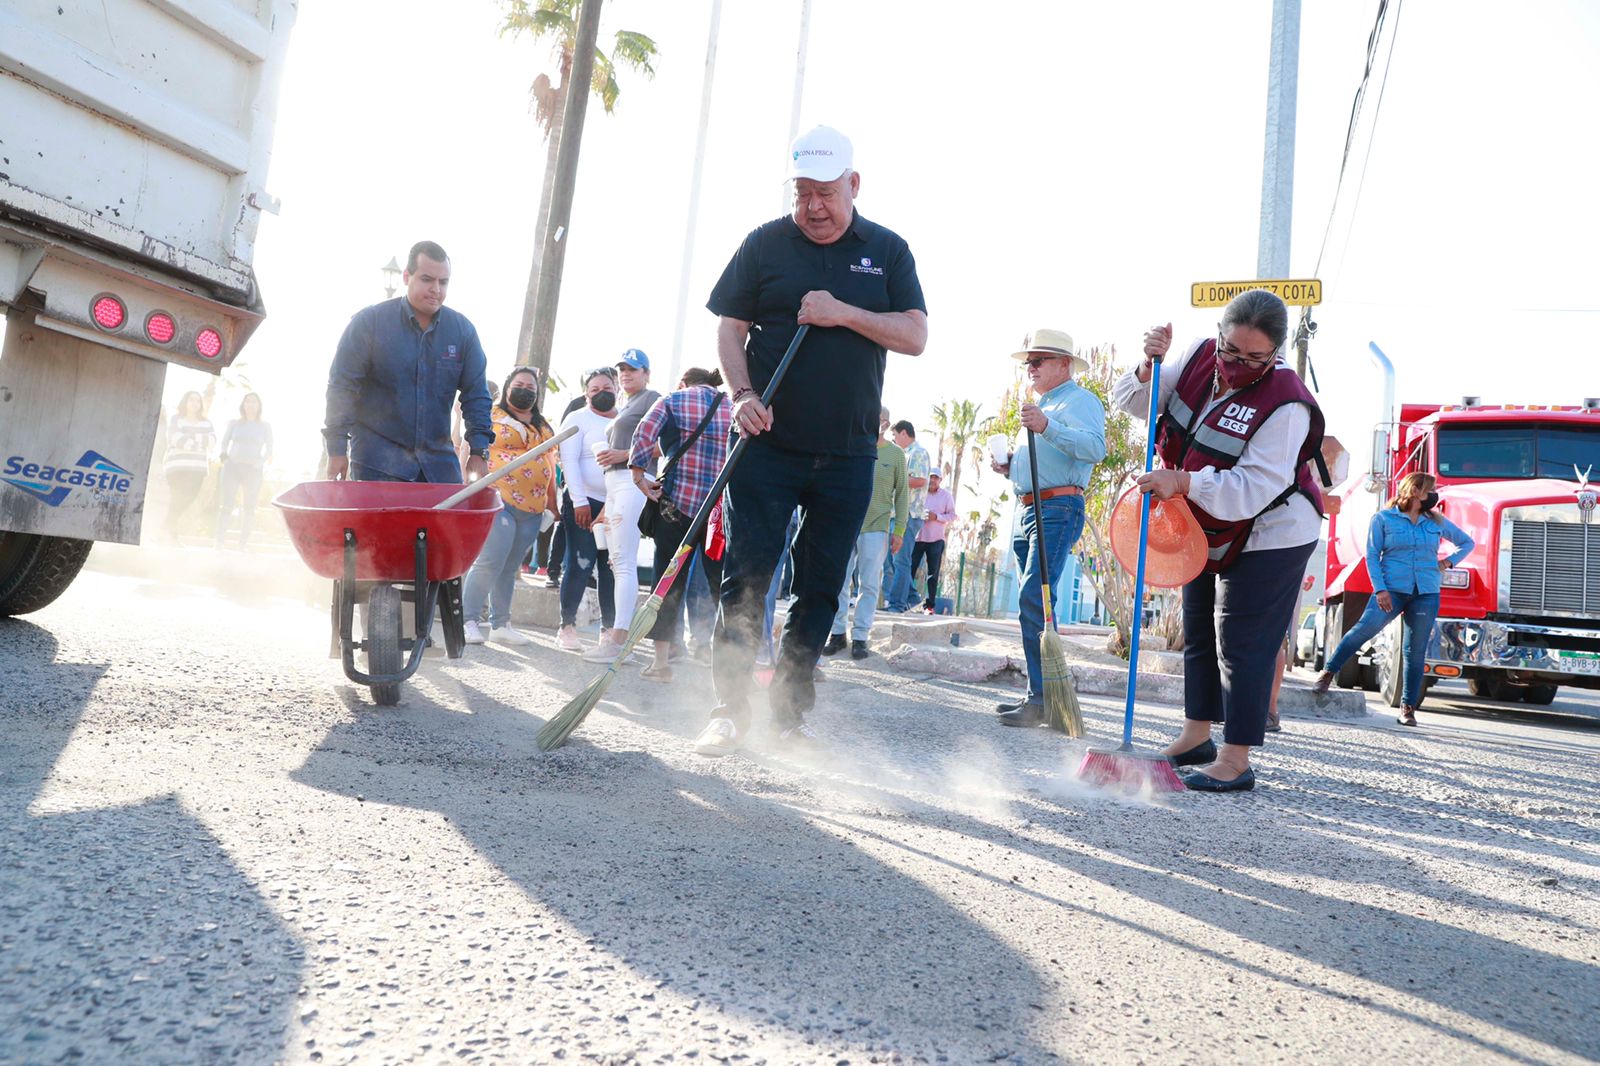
pixel 474 634
pixel 511 638
pixel 604 652
pixel 720 737
pixel 568 640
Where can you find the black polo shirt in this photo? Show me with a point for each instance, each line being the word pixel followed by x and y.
pixel 828 401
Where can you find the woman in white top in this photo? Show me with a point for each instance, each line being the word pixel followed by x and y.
pixel 1238 429
pixel 624 500
pixel 583 505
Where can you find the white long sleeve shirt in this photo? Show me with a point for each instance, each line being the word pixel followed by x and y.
pixel 1263 471
pixel 585 480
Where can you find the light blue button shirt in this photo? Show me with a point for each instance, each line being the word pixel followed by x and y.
pixel 1073 442
pixel 1403 556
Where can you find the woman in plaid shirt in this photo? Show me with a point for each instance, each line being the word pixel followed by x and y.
pixel 669 423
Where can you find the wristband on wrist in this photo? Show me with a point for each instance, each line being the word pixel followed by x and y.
pixel 739 394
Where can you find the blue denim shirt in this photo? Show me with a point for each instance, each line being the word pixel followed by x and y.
pixel 1403 556
pixel 1074 440
pixel 393 387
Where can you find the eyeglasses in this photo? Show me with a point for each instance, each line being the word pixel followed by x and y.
pixel 1035 362
pixel 1250 359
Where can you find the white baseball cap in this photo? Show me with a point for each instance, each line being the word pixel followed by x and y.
pixel 821 154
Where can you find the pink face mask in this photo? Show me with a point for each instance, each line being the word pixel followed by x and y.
pixel 1238 375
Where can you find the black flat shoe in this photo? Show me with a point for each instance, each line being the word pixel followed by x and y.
pixel 1002 708
pixel 1199 755
pixel 1196 781
pixel 834 645
pixel 1029 714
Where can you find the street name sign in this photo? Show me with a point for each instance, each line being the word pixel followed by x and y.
pixel 1301 292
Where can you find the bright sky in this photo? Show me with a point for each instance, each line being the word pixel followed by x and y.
pixel 1073 165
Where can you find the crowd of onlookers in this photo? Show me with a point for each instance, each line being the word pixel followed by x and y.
pixel 572 518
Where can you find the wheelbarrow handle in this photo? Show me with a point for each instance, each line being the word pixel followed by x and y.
pixel 516 464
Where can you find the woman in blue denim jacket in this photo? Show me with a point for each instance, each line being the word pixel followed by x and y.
pixel 1403 562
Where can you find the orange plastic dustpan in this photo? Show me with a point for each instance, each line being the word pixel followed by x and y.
pixel 1176 551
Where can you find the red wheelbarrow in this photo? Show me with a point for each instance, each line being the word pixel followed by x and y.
pixel 386 542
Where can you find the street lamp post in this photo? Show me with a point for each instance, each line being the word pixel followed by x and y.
pixel 391 277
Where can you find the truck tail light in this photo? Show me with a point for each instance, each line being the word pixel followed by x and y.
pixel 160 327
pixel 108 312
pixel 1446 671
pixel 1456 578
pixel 208 342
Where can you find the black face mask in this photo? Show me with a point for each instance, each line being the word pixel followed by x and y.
pixel 1430 501
pixel 603 401
pixel 521 399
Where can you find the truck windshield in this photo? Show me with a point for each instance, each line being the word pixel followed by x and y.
pixel 1517 451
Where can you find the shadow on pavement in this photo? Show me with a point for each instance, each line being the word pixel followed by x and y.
pixel 701 888
pixel 125 932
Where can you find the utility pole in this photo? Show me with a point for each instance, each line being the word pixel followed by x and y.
pixel 1277 169
pixel 694 190
pixel 554 256
pixel 799 86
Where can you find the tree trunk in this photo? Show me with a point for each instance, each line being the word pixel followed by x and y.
pixel 955 468
pixel 530 299
pixel 561 195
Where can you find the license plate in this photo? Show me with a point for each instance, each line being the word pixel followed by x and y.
pixel 1579 662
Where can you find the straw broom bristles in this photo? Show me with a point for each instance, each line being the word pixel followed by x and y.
pixel 558 729
pixel 1060 699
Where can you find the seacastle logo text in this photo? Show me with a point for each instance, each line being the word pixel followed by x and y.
pixel 865 267
pixel 53 484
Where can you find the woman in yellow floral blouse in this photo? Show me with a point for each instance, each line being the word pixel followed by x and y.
pixel 528 494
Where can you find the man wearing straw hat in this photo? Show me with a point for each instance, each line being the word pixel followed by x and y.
pixel 855 284
pixel 1069 427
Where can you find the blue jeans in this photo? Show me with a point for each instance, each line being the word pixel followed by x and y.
pixel 832 492
pixel 1420 609
pixel 1063 525
pixel 493 577
pixel 700 602
pixel 866 562
pixel 581 555
pixel 773 590
pixel 899 597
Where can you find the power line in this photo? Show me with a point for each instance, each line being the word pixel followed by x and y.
pixel 1372 136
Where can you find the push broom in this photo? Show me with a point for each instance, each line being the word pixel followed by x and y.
pixel 1060 702
pixel 558 729
pixel 1123 765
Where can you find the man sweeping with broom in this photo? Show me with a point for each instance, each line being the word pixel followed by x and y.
pixel 854 283
pixel 1067 433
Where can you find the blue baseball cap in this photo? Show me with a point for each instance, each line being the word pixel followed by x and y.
pixel 635 358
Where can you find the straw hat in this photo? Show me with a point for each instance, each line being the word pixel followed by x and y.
pixel 1051 342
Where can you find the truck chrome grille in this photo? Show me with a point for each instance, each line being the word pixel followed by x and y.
pixel 1555 567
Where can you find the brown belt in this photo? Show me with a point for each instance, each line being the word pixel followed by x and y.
pixel 1050 494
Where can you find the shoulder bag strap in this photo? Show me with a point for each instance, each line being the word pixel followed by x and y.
pixel 711 412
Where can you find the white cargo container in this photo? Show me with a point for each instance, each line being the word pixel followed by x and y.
pixel 134 141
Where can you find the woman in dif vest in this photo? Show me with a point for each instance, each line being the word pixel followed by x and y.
pixel 1236 435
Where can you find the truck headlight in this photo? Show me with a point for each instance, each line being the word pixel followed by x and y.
pixel 1455 578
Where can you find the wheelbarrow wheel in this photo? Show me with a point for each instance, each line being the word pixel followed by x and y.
pixel 383 641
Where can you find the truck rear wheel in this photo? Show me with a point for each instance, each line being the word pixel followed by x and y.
pixel 1492 688
pixel 35 569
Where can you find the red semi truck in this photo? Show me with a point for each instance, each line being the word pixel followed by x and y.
pixel 1521 615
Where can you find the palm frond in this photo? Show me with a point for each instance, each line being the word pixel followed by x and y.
pixel 635 50
pixel 603 82
pixel 541 19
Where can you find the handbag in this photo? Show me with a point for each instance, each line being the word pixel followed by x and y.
pixel 651 513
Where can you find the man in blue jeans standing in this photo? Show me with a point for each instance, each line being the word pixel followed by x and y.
pixel 918 464
pixel 1069 429
pixel 855 284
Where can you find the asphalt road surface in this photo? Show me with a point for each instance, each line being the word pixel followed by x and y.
pixel 214 849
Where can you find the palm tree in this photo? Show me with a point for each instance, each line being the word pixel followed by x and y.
pixel 961 427
pixel 557 22
pixel 941 419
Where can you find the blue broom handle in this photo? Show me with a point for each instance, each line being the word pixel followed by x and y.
pixel 1144 536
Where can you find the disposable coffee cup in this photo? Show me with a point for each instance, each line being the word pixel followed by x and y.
pixel 1000 448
